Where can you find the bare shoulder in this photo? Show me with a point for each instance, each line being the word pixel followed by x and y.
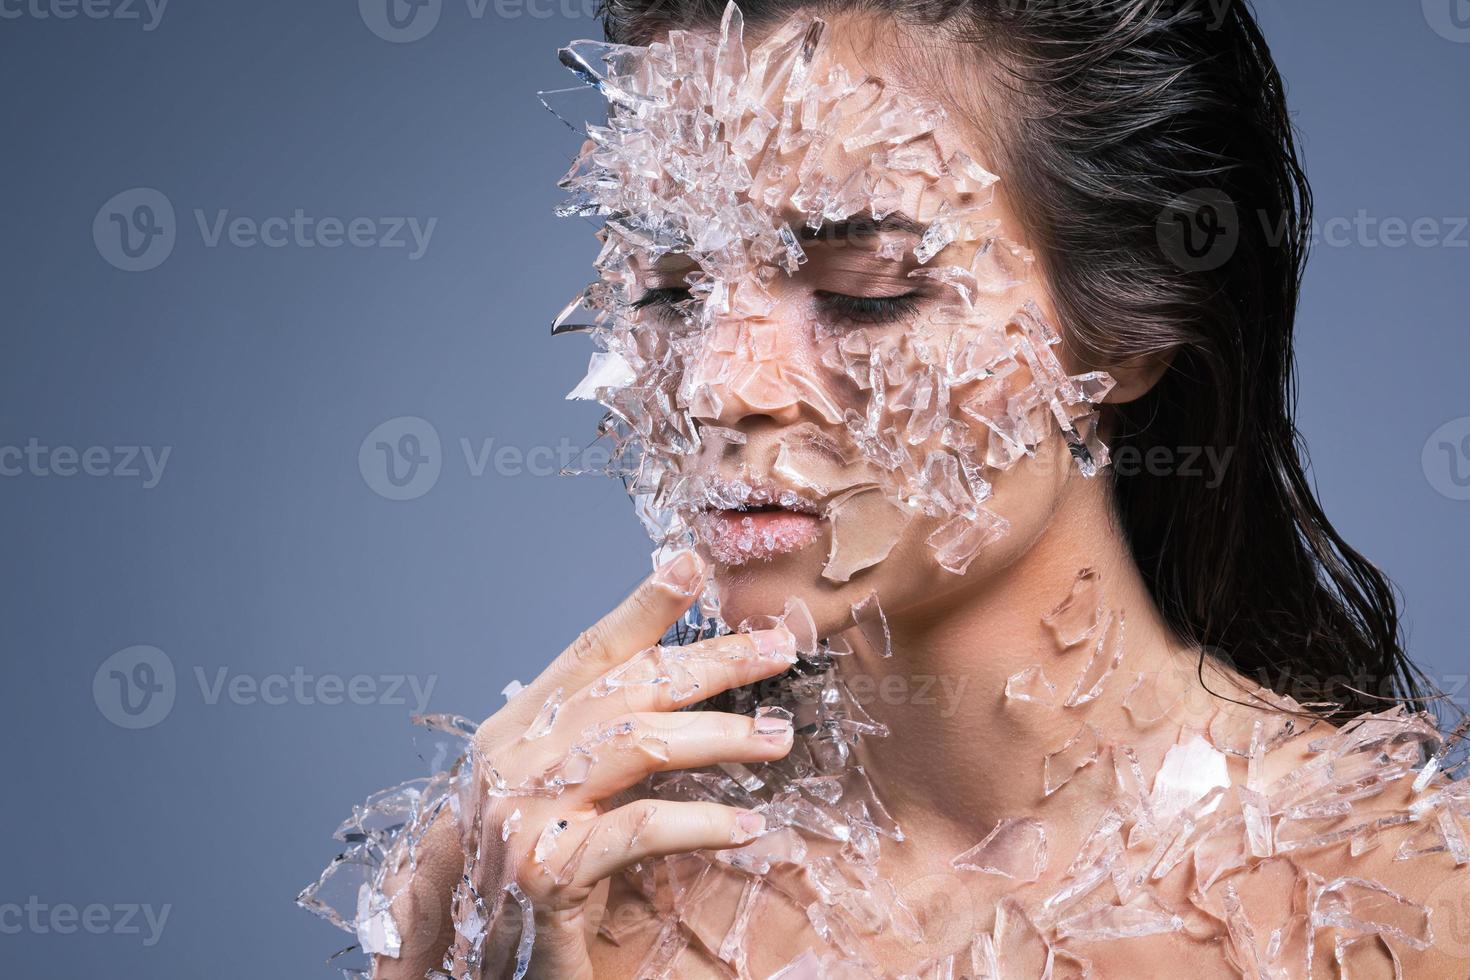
pixel 1411 873
pixel 1385 847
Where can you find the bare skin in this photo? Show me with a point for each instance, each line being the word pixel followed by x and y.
pixel 927 773
pixel 961 757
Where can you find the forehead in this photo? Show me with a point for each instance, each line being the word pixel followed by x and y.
pixel 714 137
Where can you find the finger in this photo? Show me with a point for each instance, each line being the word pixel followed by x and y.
pixel 643 829
pixel 637 623
pixel 628 749
pixel 668 678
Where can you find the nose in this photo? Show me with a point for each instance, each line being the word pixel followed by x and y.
pixel 751 368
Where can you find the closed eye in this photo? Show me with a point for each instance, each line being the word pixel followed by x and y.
pixel 666 303
pixel 868 309
pixel 661 297
pixel 861 310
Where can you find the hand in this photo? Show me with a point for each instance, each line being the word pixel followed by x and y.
pixel 599 719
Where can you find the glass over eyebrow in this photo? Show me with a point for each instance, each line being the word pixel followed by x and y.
pixel 673 267
pixel 863 227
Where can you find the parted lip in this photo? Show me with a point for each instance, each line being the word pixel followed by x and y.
pixel 721 493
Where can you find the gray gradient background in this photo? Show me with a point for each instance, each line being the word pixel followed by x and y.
pixel 263 550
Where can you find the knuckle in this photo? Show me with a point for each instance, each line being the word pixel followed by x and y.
pixel 639 813
pixel 539 887
pixel 590 646
pixel 484 739
pixel 482 751
pixel 646 600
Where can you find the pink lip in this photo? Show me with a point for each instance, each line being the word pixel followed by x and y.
pixel 735 537
pixel 720 493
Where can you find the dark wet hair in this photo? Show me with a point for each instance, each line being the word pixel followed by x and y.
pixel 1155 166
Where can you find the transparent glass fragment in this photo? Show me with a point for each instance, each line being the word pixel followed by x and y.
pixel 1030 684
pixel 1105 653
pixel 1078 617
pixel 866 524
pixel 1078 752
pixel 868 616
pixel 1016 848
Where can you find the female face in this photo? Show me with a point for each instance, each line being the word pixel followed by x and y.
pixel 837 351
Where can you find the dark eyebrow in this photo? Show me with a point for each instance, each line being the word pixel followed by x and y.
pixel 667 276
pixel 860 226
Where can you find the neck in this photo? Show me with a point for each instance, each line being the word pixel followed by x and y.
pixel 961 755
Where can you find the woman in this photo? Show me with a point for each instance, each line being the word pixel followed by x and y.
pixel 991 706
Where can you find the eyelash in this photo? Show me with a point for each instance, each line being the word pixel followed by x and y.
pixel 868 310
pixel 863 310
pixel 661 298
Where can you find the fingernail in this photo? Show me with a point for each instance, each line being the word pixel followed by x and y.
pixel 774 643
pixel 775 729
pixel 683 573
pixel 748 826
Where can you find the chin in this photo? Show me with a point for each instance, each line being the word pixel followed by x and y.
pixel 761 587
pixel 764 587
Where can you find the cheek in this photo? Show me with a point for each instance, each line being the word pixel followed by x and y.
pixel 978 421
pixel 1026 497
pixel 991 434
